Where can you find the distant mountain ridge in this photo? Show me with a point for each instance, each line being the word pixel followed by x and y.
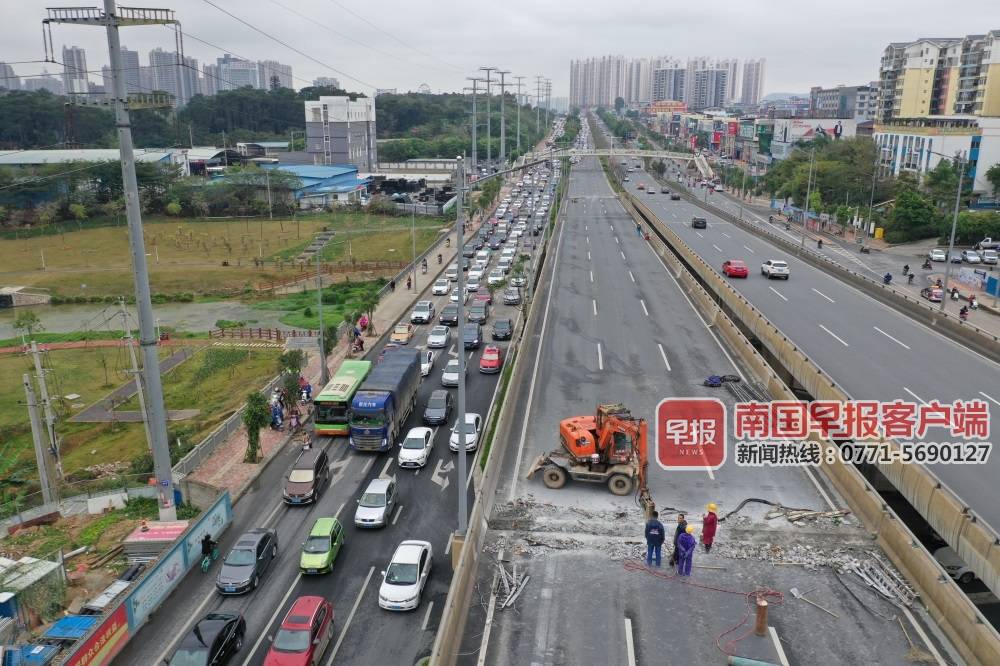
pixel 771 97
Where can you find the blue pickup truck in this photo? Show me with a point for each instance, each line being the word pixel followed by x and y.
pixel 383 402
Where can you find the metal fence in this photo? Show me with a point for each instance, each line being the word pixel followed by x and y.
pixel 437 210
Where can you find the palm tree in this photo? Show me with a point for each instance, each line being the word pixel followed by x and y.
pixel 369 301
pixel 256 415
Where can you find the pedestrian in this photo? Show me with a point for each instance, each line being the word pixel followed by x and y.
pixel 409 282
pixel 655 536
pixel 679 530
pixel 392 285
pixel 709 522
pixel 686 544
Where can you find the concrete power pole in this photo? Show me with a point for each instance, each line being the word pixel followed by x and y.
pixel 36 436
pixel 50 417
pixel 475 123
pixel 489 126
pixel 111 18
pixel 503 121
pixel 548 102
pixel 519 103
pixel 463 510
pixel 127 332
pixel 538 100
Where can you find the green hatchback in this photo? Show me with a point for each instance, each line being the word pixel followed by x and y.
pixel 321 547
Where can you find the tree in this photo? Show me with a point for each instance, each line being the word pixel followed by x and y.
pixel 659 168
pixel 993 175
pixel 28 322
pixel 330 337
pixel 369 301
pixel 174 208
pixel 79 211
pixel 913 216
pixel 256 415
pixel 291 362
pixel 941 184
pixel 619 105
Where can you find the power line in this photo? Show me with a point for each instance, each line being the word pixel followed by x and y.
pixel 391 36
pixel 39 179
pixel 287 45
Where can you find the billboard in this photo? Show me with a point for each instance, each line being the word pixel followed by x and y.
pixel 790 130
pixel 103 643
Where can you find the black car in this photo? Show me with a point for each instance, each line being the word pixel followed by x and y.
pixel 472 336
pixel 438 409
pixel 496 243
pixel 537 229
pixel 674 196
pixel 213 640
pixel 469 250
pixel 247 561
pixel 502 329
pixel 699 223
pixel 449 315
pixel 479 312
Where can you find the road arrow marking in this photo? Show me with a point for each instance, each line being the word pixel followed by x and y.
pixel 439 476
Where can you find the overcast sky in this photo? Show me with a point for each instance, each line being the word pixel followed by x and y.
pixel 440 42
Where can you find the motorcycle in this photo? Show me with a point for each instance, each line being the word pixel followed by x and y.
pixel 906 269
pixel 909 278
pixel 439 260
pixel 887 279
pixel 954 294
pixel 819 244
pixel 865 250
pixel 963 314
pixel 927 265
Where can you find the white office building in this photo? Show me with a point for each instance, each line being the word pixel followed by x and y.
pixel 342 131
pixel 75 70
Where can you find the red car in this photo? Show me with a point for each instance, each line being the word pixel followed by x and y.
pixel 735 268
pixel 491 361
pixel 304 635
pixel 484 298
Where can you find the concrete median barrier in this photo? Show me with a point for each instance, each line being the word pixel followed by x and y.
pixel 959 618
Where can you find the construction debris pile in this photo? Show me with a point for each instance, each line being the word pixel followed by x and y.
pixel 510 584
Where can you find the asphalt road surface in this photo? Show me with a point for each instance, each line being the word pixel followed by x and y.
pixel 872 351
pixel 364 633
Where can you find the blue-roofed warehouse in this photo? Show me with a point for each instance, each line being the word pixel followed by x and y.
pixel 323 185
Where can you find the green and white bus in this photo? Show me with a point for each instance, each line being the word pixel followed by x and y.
pixel 333 404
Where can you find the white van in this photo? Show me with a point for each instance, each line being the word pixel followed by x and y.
pixel 452 272
pixel 483 255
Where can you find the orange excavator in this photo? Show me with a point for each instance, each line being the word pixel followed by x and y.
pixel 610 447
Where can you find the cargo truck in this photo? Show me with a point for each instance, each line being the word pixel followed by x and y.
pixel 383 402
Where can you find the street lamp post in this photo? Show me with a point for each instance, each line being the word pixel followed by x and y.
pixel 489 126
pixel 954 224
pixel 805 216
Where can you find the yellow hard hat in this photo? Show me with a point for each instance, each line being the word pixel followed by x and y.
pixel 712 507
pixel 689 529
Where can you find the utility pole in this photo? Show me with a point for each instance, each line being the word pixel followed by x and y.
pixel 267 177
pixel 489 126
pixel 324 373
pixel 548 102
pixel 111 18
pixel 50 417
pixel 413 244
pixel 127 332
pixel 960 163
pixel 36 436
pixel 475 123
pixel 463 510
pixel 809 182
pixel 538 100
pixel 503 121
pixel 519 102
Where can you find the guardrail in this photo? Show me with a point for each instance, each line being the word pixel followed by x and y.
pixel 961 620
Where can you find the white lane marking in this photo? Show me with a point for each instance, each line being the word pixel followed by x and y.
pixel 991 399
pixel 591 276
pixel 629 643
pixel 823 295
pixel 600 357
pixel 621 253
pixel 447 548
pixel 588 255
pixel 904 346
pixel 700 235
pixel 594 303
pixel 917 397
pixel 749 250
pixel 643 304
pixel 277 609
pixel 586 227
pixel 534 375
pixel 488 627
pixel 782 659
pixel 452 352
pixel 725 234
pixel 427 616
pixel 385 470
pixel 588 240
pixel 617 242
pixel 833 335
pixel 663 355
pixel 719 249
pixel 354 609
pixel 631 276
pixel 923 636
pixel 368 466
pixel 274 512
pixel 780 295
pixel 399 510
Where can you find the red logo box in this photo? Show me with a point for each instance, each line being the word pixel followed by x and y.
pixel 691 433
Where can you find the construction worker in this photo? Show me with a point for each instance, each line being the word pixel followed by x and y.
pixel 681 526
pixel 710 522
pixel 686 544
pixel 655 536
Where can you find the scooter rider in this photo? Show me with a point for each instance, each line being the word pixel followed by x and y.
pixel 887 278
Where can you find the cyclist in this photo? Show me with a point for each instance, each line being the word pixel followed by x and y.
pixel 207 545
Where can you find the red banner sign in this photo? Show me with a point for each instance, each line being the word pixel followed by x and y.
pixel 103 644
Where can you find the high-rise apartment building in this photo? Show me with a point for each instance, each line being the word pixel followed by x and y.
pixel 75 70
pixel 732 67
pixel 753 82
pixel 8 79
pixel 210 81
pixel 707 87
pixel 940 77
pixel 236 73
pixel 326 82
pixel 342 131
pixel 669 82
pixel 598 81
pixel 844 102
pixel 130 71
pixel 271 74
pixel 170 76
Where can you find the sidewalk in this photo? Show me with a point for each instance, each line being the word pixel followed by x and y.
pixel 225 469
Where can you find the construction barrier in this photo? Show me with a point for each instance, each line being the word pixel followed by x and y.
pixel 722 306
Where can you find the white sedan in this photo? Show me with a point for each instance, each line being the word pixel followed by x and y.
pixel 441 287
pixel 496 276
pixel 473 423
pixel 454 296
pixel 439 337
pixel 415 450
pixel 404 579
pixel 475 273
pixel 426 362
